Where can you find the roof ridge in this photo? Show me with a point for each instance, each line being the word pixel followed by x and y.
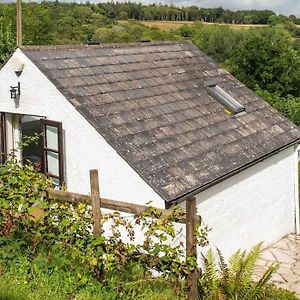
pixel 100 46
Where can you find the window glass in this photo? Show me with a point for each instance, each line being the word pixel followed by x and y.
pixel 52 150
pixel 31 126
pixel 1 146
pixel 55 181
pixel 53 163
pixel 229 103
pixel 51 137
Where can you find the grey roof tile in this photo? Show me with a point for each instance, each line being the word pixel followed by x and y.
pixel 148 101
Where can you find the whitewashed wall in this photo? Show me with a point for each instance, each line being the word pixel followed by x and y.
pixel 255 205
pixel 85 149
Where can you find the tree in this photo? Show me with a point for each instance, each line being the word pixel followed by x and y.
pixel 266 58
pixel 276 20
pixel 216 41
pixel 104 35
pixel 7 41
pixel 37 25
pixel 136 31
pixel 248 19
pixel 186 31
pixel 123 15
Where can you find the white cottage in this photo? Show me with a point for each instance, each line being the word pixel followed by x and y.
pixel 161 122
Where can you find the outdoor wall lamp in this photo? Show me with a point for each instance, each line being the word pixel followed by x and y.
pixel 15 91
pixel 19 70
pixel 18 66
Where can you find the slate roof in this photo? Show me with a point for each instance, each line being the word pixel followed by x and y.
pixel 148 101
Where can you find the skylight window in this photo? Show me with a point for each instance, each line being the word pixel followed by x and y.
pixel 230 104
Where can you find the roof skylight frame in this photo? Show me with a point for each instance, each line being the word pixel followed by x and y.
pixel 229 103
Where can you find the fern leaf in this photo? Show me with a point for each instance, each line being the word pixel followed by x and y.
pixel 265 278
pixel 249 263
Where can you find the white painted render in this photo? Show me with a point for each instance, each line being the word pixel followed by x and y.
pixel 258 204
pixel 85 148
pixel 296 190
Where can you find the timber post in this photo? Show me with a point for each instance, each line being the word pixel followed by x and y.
pixel 191 246
pixel 96 202
pixel 19 23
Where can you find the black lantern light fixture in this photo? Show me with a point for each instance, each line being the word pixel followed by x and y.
pixel 15 91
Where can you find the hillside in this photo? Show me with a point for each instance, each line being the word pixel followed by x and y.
pixel 172 25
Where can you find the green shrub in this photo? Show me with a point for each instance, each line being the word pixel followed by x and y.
pixel 289 106
pixel 60 240
pixel 234 280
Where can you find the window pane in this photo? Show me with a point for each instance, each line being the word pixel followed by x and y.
pixel 55 181
pixel 53 163
pixel 51 137
pixel 31 126
pixel 1 146
pixel 225 99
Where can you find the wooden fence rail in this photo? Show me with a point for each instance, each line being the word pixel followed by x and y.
pixel 130 208
pixel 97 202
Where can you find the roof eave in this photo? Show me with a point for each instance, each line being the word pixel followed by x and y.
pixel 228 175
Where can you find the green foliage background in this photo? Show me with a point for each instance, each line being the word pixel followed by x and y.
pixel 266 59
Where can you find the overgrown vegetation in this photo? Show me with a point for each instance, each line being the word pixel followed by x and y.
pixel 26 278
pixel 42 240
pixel 47 250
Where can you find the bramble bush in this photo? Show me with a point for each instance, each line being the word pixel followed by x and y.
pixel 43 241
pixel 63 233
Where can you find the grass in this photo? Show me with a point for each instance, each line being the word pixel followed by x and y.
pixel 165 25
pixel 21 279
pixel 169 25
pixel 49 287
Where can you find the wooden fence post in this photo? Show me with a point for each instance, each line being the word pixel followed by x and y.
pixel 19 23
pixel 191 247
pixel 96 202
